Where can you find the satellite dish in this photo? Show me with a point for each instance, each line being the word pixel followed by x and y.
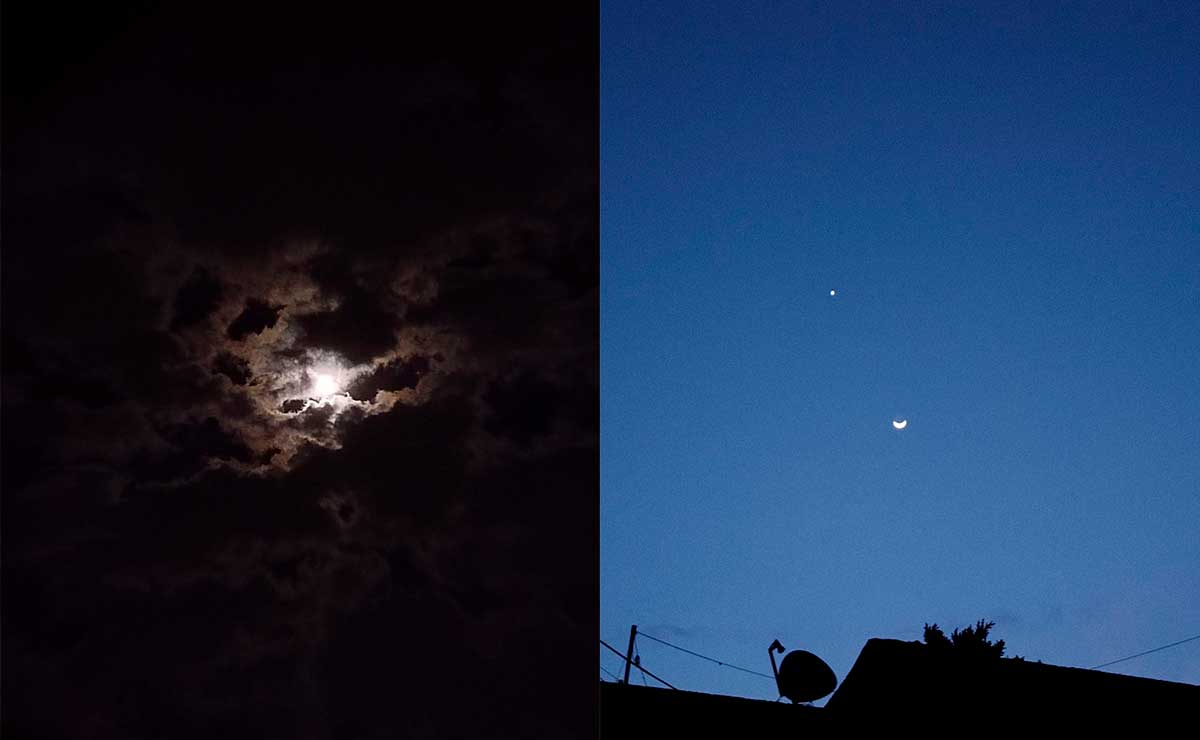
pixel 802 676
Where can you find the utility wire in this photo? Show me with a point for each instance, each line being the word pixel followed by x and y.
pixel 637 659
pixel 614 676
pixel 643 670
pixel 1138 655
pixel 602 666
pixel 698 655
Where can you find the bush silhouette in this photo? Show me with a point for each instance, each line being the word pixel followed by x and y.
pixel 968 641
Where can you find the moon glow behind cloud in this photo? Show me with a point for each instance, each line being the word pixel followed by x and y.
pixel 324 385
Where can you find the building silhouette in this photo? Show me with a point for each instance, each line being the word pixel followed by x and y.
pixel 905 686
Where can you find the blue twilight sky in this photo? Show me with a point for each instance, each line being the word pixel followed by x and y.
pixel 1006 198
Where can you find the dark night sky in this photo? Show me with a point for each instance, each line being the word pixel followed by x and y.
pixel 203 210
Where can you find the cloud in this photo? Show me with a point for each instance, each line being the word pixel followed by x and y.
pixel 196 300
pixel 233 367
pixel 420 224
pixel 257 316
pixel 393 375
pixel 359 329
pixel 671 631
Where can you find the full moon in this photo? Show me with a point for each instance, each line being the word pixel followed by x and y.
pixel 324 385
pixel 900 423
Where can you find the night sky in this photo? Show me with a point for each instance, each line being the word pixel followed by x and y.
pixel 1006 199
pixel 300 372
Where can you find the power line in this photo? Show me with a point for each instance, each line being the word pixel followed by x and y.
pixel 643 670
pixel 1138 655
pixel 618 670
pixel 614 676
pixel 637 659
pixel 698 655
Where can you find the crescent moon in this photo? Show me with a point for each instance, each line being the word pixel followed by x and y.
pixel 900 424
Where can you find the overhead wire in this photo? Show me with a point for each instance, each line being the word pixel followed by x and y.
pixel 698 655
pixel 757 673
pixel 616 677
pixel 643 670
pixel 1147 652
pixel 637 659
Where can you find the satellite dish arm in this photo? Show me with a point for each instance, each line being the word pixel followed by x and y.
pixel 775 647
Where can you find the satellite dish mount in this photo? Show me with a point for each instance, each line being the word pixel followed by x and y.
pixel 775 647
pixel 802 676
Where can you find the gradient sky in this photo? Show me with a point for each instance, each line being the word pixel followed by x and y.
pixel 1007 202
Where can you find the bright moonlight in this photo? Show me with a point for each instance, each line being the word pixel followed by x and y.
pixel 899 423
pixel 324 385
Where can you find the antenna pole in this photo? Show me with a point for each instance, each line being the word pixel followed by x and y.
pixel 629 652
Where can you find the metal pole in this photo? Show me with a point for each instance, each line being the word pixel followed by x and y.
pixel 629 652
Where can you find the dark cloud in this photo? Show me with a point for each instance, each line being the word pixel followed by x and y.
pixel 523 406
pixel 72 384
pixel 204 210
pixel 206 438
pixel 256 316
pixel 395 375
pixel 359 329
pixel 403 473
pixel 196 300
pixel 233 367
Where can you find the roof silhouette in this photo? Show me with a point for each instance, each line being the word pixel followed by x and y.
pixel 908 681
pixel 901 684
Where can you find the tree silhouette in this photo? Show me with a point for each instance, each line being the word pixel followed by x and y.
pixel 968 641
